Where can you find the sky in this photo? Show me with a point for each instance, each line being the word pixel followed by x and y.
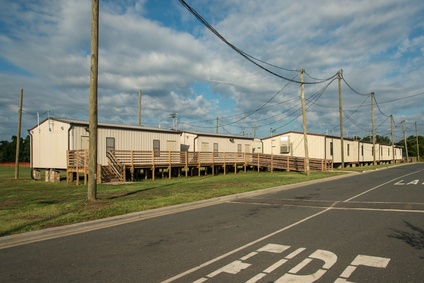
pixel 181 67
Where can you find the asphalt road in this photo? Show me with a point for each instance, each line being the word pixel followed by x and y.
pixel 364 228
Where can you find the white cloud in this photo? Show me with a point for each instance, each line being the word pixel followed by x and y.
pixel 165 52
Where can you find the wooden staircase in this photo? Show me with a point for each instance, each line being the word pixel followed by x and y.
pixel 114 171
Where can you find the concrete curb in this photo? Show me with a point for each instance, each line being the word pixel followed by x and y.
pixel 62 231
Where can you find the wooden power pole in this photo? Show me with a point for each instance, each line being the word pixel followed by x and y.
pixel 305 131
pixel 94 72
pixel 393 138
pixel 139 107
pixel 373 128
pixel 404 140
pixel 18 136
pixel 339 75
pixel 217 124
pixel 418 147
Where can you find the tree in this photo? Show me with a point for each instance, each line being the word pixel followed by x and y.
pixel 378 139
pixel 411 142
pixel 8 150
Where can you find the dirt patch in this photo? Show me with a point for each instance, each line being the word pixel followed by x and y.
pixel 8 203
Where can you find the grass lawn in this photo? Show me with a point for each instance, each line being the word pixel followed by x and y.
pixel 27 205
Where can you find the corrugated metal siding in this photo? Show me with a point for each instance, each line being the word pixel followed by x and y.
pixel 297 145
pixel 225 144
pixel 49 145
pixel 320 147
pixel 134 140
pixel 337 150
pixel 316 146
pixel 366 154
pixel 350 151
pixel 187 142
pixel 50 142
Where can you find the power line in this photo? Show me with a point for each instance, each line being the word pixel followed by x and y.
pixel 406 97
pixel 247 56
pixel 355 91
pixel 253 112
pixel 378 107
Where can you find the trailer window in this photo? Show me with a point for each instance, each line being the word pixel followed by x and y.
pixel 110 144
pixel 156 147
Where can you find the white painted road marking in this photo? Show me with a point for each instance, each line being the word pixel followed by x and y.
pixel 328 257
pixel 376 187
pixel 243 247
pixel 274 266
pixel 273 234
pixel 413 182
pixel 371 261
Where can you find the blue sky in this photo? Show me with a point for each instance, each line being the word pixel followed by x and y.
pixel 181 67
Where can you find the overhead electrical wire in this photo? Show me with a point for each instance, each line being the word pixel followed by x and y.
pixel 378 107
pixel 258 109
pixel 355 91
pixel 247 56
pixel 382 123
pixel 257 62
pixel 401 98
pixel 355 123
pixel 310 101
pixel 246 114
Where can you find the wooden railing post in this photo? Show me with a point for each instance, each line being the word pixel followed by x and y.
pixel 186 163
pixel 225 163
pixel 245 162
pixel 213 163
pixel 169 164
pixel 153 164
pixel 77 168
pixel 288 163
pixel 259 163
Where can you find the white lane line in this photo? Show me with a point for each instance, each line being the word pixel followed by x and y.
pixel 272 234
pixel 246 257
pixel 376 187
pixel 243 247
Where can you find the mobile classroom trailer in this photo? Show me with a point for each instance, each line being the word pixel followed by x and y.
pixel 51 139
pixel 329 148
pixel 208 142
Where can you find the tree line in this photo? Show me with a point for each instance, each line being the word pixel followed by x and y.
pixel 8 148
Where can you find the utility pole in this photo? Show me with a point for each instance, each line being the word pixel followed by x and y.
pixel 373 127
pixel 18 136
pixel 418 147
pixel 217 123
pixel 404 140
pixel 393 138
pixel 305 131
pixel 92 127
pixel 254 131
pixel 339 75
pixel 139 107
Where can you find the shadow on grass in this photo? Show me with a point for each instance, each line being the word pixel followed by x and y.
pixel 414 236
pixel 131 193
pixel 19 229
pixel 135 192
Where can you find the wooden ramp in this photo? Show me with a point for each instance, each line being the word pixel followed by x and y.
pixel 132 164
